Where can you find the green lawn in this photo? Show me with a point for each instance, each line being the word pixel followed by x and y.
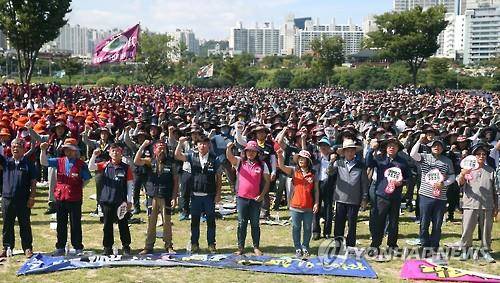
pixel 274 240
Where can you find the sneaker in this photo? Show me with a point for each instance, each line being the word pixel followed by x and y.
pixel 126 251
pixel 107 251
pixel 488 258
pixel 305 253
pixel 183 217
pixel 257 252
pixel 146 251
pixel 298 253
pixel 212 249
pixel 195 248
pixel 58 252
pixel 28 253
pixel 381 258
pixel 316 236
pixel 79 252
pixel 170 250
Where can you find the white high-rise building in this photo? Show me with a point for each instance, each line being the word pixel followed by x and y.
pixel 452 38
pixel 187 37
pixel 351 34
pixel 404 5
pixel 482 34
pixel 287 35
pixel 369 24
pixel 473 4
pixel 259 41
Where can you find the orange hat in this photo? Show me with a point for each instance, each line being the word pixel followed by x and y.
pixel 70 143
pixel 39 129
pixel 80 114
pixel 21 121
pixel 4 132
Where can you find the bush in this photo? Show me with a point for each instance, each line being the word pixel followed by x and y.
pixel 106 81
pixel 282 78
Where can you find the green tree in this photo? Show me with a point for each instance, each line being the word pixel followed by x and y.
pixel 155 53
pixel 328 53
pixel 271 62
pixel 438 69
pixel 71 67
pixel 410 36
pixel 232 71
pixel 282 78
pixel 29 25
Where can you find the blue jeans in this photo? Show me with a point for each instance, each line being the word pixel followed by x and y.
pixel 431 210
pixel 248 210
pixel 200 204
pixel 300 219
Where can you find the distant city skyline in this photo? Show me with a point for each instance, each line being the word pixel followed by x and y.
pixel 212 19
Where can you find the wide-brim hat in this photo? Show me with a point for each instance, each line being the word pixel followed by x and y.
pixel 348 143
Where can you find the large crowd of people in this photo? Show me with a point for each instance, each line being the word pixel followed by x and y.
pixel 322 153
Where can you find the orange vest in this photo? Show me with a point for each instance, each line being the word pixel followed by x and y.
pixel 303 186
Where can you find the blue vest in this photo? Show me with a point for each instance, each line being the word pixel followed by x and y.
pixel 17 179
pixel 160 184
pixel 114 190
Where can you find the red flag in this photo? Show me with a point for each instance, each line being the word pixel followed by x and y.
pixel 119 47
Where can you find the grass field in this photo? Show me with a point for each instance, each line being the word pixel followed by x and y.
pixel 275 240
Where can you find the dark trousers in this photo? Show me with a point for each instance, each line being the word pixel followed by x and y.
pixel 325 208
pixel 12 209
pixel 99 179
pixel 139 183
pixel 383 210
pixel 110 217
pixel 73 211
pixel 280 190
pixel 248 210
pixel 453 198
pixel 200 204
pixel 346 212
pixel 266 202
pixel 185 192
pixel 431 210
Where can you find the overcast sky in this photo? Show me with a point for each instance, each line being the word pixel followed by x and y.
pixel 212 19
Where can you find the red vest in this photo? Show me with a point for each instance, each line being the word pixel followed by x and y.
pixel 68 188
pixel 303 187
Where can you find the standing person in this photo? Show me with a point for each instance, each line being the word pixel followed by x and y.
pixel 252 184
pixel 326 189
pixel 206 190
pixel 480 202
pixel 432 196
pixel 350 190
pixel 387 196
pixel 303 201
pixel 105 140
pixel 162 185
pixel 55 140
pixel 19 190
pixel 72 175
pixel 118 185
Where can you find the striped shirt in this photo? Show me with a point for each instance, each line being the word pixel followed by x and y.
pixel 428 163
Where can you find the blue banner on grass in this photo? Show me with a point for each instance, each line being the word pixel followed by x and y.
pixel 350 267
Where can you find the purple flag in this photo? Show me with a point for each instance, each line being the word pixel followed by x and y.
pixel 119 47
